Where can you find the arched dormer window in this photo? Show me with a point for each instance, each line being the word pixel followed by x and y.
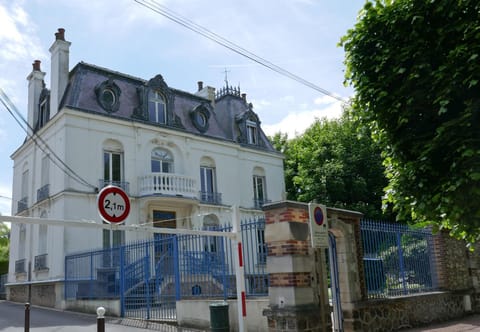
pixel 155 103
pixel 161 161
pixel 157 110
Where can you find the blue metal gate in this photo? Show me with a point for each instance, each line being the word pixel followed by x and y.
pixel 150 280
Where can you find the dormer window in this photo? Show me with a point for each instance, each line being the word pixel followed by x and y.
pixel 249 128
pixel 43 109
pixel 252 133
pixel 108 95
pixel 200 116
pixel 157 112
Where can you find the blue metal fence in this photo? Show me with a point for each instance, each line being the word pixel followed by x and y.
pixel 154 274
pixel 398 260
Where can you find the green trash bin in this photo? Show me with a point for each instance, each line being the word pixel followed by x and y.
pixel 219 317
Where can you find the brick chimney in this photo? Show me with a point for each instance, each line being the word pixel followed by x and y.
pixel 35 87
pixel 206 92
pixel 60 69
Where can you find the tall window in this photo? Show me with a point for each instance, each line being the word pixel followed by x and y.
pixel 207 182
pixel 252 134
pixel 162 161
pixel 22 241
pixel 259 192
pixel 42 239
pixel 43 113
pixel 157 110
pixel 112 167
pixel 42 236
pixel 25 184
pixel 45 171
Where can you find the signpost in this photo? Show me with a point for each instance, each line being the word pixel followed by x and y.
pixel 318 225
pixel 113 205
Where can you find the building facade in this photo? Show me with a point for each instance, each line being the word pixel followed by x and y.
pixel 183 158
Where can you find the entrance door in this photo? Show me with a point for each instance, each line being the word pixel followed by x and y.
pixel 163 219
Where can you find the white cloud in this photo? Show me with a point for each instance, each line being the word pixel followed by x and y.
pixel 294 124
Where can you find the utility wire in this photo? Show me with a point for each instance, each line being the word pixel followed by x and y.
pixel 45 148
pixel 185 22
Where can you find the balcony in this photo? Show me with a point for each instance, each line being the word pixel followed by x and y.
pixel 20 266
pixel 210 198
pixel 259 203
pixel 168 184
pixel 43 193
pixel 40 262
pixel 122 184
pixel 22 204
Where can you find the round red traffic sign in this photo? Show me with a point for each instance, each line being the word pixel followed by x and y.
pixel 113 204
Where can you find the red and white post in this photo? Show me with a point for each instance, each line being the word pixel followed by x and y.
pixel 239 270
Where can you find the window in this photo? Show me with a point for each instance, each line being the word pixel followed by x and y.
pixel 45 171
pixel 43 113
pixel 25 184
pixel 259 193
pixel 113 238
pixel 112 167
pixel 42 239
pixel 208 185
pixel 108 95
pixel 156 108
pixel 251 132
pixel 162 161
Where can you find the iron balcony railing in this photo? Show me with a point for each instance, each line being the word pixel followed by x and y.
pixel 259 203
pixel 22 204
pixel 20 266
pixel 210 198
pixel 40 262
pixel 43 193
pixel 167 184
pixel 122 184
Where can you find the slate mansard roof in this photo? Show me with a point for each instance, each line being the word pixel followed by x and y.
pixel 226 118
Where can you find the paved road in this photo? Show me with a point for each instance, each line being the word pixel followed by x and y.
pixel 46 320
pixel 468 323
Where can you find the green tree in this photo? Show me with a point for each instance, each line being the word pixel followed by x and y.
pixel 4 242
pixel 336 165
pixel 415 68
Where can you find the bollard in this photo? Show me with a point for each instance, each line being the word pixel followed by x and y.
pixel 27 317
pixel 100 319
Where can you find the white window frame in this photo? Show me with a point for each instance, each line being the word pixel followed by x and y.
pixel 108 174
pixel 252 132
pixel 164 159
pixel 157 108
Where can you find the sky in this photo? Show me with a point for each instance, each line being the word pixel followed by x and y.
pixel 300 36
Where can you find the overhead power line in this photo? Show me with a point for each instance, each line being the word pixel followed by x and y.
pixel 187 23
pixel 7 103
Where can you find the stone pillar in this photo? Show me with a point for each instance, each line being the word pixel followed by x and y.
pixel 298 280
pixel 345 226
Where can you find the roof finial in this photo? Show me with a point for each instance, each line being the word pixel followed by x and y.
pixel 226 77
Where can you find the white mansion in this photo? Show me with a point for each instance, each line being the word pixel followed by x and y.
pixel 183 158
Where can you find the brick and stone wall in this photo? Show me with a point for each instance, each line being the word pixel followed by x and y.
pixel 297 273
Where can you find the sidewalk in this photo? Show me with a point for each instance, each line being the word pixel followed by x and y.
pixel 469 323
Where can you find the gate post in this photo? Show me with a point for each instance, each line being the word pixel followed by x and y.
pixel 297 301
